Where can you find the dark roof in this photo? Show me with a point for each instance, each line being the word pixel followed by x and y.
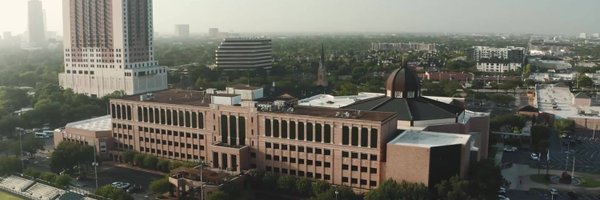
pixel 176 96
pixel 528 108
pixel 402 80
pixel 415 109
pixel 245 87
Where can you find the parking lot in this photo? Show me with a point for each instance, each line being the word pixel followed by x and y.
pixel 586 153
pixel 109 174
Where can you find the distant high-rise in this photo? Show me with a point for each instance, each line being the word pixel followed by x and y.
pixel 322 72
pixel 36 27
pixel 118 55
pixel 583 35
pixel 182 30
pixel 244 53
pixel 213 32
pixel 596 35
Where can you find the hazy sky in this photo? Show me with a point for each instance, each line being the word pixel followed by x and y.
pixel 482 16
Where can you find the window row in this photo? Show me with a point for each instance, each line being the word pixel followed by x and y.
pixel 363 182
pixel 363 156
pixel 122 126
pixel 298 173
pixel 171 143
pixel 352 137
pixel 301 149
pixel 171 117
pixel 313 132
pixel 170 132
pixel 354 168
pixel 301 161
pixel 170 154
pixel 120 111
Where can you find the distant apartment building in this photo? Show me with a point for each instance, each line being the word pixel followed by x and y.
pixel 410 46
pixel 36 24
pixel 510 53
pixel 213 32
pixel 182 30
pixel 462 77
pixel 244 53
pixel 582 35
pixel 497 66
pixel 118 55
pixel 492 59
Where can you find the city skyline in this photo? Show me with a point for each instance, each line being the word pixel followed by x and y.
pixel 460 16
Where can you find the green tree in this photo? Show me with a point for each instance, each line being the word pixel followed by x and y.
pixel 286 183
pixel 138 160
pixel 540 136
pixel 163 165
pixel 485 179
pixel 218 195
pixel 344 193
pixel 160 186
pixel 10 164
pixel 128 156
pixel 67 155
pixel 453 189
pixel 564 126
pixel 303 186
pixel 150 161
pixel 390 190
pixel 269 180
pixel 62 180
pixel 584 81
pixel 113 193
pixel 320 186
pixel 48 176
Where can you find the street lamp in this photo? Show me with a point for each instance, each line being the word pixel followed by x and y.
pixel 201 164
pixel 336 192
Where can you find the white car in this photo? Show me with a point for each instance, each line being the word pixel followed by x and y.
pixel 553 191
pixel 534 156
pixel 502 197
pixel 510 148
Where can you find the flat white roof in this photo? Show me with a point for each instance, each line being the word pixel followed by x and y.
pixel 94 124
pixel 548 94
pixel 429 139
pixel 330 101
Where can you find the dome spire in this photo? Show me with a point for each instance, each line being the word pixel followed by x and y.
pixel 403 83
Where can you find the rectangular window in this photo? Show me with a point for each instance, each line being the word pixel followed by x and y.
pixel 354 137
pixel 318 132
pixel 224 129
pixel 364 137
pixel 300 130
pixel 344 154
pixel 267 127
pixel 364 156
pixel 284 128
pixel 327 164
pixel 292 130
pixel 373 170
pixel 275 128
pixel 374 137
pixel 327 134
pixel 345 135
pixel 327 152
pixel 309 132
pixel 354 155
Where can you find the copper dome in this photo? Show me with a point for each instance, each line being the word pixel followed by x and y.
pixel 403 83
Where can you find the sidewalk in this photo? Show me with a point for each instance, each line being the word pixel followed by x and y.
pixel 524 172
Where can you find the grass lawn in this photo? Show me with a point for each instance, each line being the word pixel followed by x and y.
pixel 8 196
pixel 540 178
pixel 591 183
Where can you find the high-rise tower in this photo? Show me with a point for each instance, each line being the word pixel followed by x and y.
pixel 322 72
pixel 108 47
pixel 35 24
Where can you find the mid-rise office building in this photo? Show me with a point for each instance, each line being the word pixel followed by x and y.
pixel 182 30
pixel 400 135
pixel 118 55
pixel 36 25
pixel 244 53
pixel 497 66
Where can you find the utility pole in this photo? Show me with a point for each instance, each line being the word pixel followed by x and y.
pixel 95 164
pixel 20 132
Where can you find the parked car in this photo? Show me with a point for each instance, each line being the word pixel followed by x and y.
pixel 535 156
pixel 502 191
pixel 121 185
pixel 502 197
pixel 553 191
pixel 510 148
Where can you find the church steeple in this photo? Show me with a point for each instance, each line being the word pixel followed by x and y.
pixel 322 72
